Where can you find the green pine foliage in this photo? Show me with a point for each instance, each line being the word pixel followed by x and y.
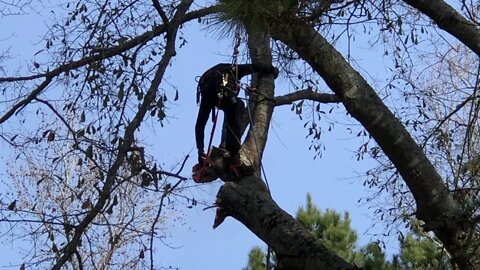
pixel 256 259
pixel 334 230
pixel 330 227
pixel 422 253
pixel 372 257
pixel 254 14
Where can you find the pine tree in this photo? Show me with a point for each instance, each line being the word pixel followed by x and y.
pixel 256 259
pixel 372 257
pixel 330 227
pixel 334 230
pixel 419 252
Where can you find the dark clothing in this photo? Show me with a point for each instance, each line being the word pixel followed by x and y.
pixel 231 109
pixel 219 87
pixel 211 81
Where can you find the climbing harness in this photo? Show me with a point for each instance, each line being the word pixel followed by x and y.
pixel 229 89
pixel 198 172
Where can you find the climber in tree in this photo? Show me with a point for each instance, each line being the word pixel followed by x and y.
pixel 219 87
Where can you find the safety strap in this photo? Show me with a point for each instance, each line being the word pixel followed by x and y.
pixel 212 132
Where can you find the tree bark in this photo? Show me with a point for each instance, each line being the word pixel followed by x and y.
pixel 308 94
pixel 262 104
pixel 435 206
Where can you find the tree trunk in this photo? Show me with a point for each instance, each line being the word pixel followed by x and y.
pixel 435 206
pixel 249 201
pixel 261 103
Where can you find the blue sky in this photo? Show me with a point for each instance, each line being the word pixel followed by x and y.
pixel 290 167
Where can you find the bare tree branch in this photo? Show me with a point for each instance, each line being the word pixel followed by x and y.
pixel 13 7
pixel 448 19
pixel 99 55
pixel 129 139
pixel 308 94
pixel 64 121
pixel 448 116
pixel 160 11
pixel 109 52
pixel 154 224
pixel 27 100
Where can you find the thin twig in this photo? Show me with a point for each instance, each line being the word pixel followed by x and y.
pixel 160 11
pixel 20 105
pixel 440 124
pixel 59 116
pixel 164 195
pixel 157 217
